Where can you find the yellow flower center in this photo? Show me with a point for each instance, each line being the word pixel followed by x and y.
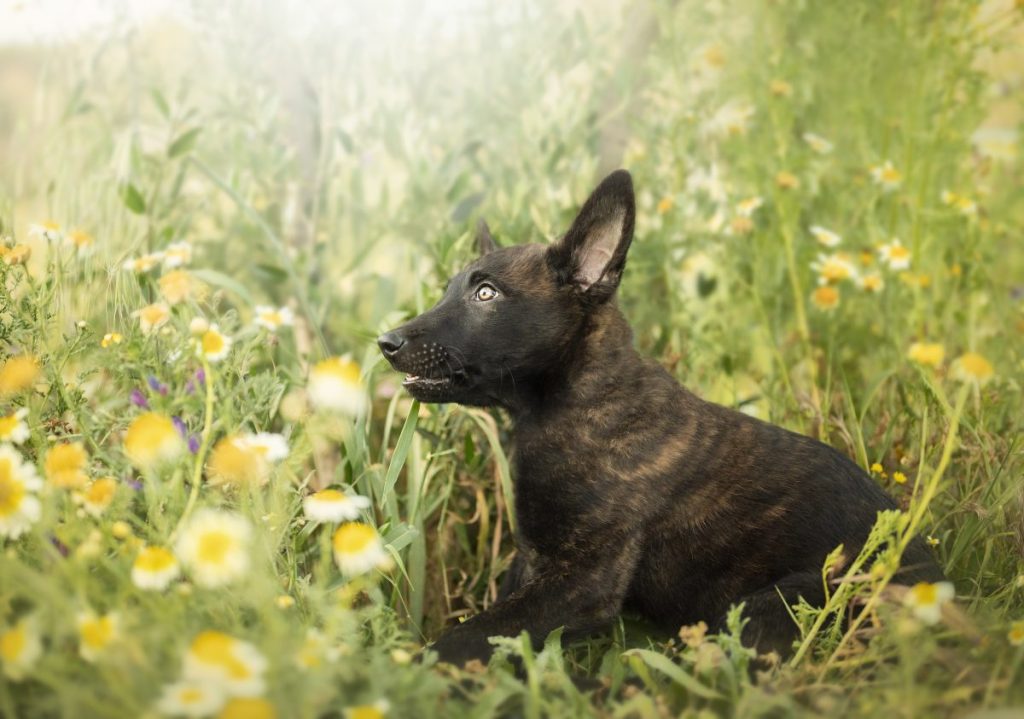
pixel 176 286
pixel 7 425
pixel 65 464
pixel 365 712
pixel 329 495
pixel 219 649
pixel 212 342
pixel 80 239
pixel 924 593
pixel 18 374
pixel 826 297
pixel 235 463
pixel 150 437
pixel 101 492
pixel 974 365
pixel 247 708
pixel 354 538
pixel 97 633
pixel 344 369
pixel 11 490
pixel 152 316
pixel 13 643
pixel 272 318
pixel 214 546
pixel 929 353
pixel 154 559
pixel 898 252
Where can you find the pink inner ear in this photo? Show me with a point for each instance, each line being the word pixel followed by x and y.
pixel 597 249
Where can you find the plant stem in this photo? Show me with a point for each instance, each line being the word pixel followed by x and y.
pixel 204 445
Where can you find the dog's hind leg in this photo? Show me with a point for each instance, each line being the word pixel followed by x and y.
pixel 770 626
pixel 514 577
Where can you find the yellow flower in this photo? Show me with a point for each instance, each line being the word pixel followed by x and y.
pixel 825 298
pixel 98 495
pixel 231 664
pixel 895 255
pixel 177 254
pixel 780 88
pixel 826 237
pixel 284 601
pixel 377 710
pixel 973 367
pixel 153 317
pixel 215 547
pixel 18 506
pixel 17 255
pixel 741 225
pixel 13 427
pixel 248 708
pixel 877 468
pixel 787 180
pixel 871 283
pixel 143 264
pixel 713 55
pixel 20 649
pixel 121 529
pixel 886 176
pixel 154 569
pixel 1016 633
pixel 176 286
pixel 926 599
pixel 152 440
pixel 932 541
pixel 48 230
pixel 65 465
pixel 191 698
pixel 899 478
pixel 665 204
pixel 927 353
pixel 273 318
pixel 81 240
pixel 18 374
pixel 110 339
pixel 95 633
pixel 213 345
pixel 334 384
pixel 817 143
pixel 234 461
pixel 358 549
pixel 747 207
pixel 332 505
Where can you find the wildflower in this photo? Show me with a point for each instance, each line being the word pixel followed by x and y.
pixel 98 495
pixel 749 206
pixel 899 477
pixel 693 634
pixel 713 56
pixel 215 547
pixel 787 180
pixel 198 326
pixel 17 255
pixel 248 708
pixel 825 298
pixel 378 710
pixel 928 353
pixel 232 664
pixel 20 648
pixel 213 345
pixel 65 465
pixel 1016 633
pixel 82 241
pixel 834 268
pixel 314 650
pixel 153 317
pixel 972 367
pixel 871 283
pixel 876 468
pixel 964 204
pixel 176 286
pixel 824 236
pixel 237 462
pixel 121 529
pixel 886 176
pixel 13 427
pixel 177 254
pixel 895 255
pixel 110 339
pixel 358 549
pixel 274 318
pixel 95 633
pixel 284 601
pixel 273 446
pixel 741 225
pixel 334 384
pixel 143 264
pixel 152 440
pixel 18 374
pixel 733 118
pixel 191 698
pixel 780 88
pixel 932 541
pixel 665 204
pixel 19 507
pixel 926 599
pixel 48 230
pixel 817 143
pixel 333 505
pixel 154 569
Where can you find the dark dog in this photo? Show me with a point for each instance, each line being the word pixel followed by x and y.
pixel 631 492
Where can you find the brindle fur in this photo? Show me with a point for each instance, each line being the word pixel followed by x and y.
pixel 632 493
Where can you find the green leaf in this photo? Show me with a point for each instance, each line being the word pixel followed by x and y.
pixel 219 279
pixel 661 663
pixel 183 143
pixel 132 198
pixel 401 450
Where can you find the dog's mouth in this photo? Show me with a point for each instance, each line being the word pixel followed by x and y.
pixel 415 381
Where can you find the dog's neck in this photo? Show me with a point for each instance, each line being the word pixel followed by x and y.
pixel 602 350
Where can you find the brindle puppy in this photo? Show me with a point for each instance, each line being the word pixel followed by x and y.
pixel 631 492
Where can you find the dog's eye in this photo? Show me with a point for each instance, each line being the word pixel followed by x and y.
pixel 485 293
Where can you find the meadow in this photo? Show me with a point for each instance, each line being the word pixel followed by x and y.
pixel 215 497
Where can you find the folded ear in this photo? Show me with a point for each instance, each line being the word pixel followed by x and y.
pixel 592 254
pixel 484 242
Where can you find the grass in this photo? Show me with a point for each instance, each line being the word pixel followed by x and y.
pixel 338 173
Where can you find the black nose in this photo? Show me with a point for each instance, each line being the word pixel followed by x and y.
pixel 390 343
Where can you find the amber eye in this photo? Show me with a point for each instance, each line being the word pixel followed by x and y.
pixel 485 293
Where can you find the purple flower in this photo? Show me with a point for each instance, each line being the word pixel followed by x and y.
pixel 157 386
pixel 180 426
pixel 201 377
pixel 193 444
pixel 139 399
pixel 133 483
pixel 61 547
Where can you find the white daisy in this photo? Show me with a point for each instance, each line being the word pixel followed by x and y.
pixel 213 344
pixel 177 254
pixel 191 698
pixel 96 633
pixel 145 263
pixel 273 318
pixel 272 445
pixel 334 384
pixel 826 237
pixel 333 505
pixel 154 569
pixel 47 230
pixel 817 143
pixel 895 255
pixel 20 648
pixel 215 547
pixel 886 176
pixel 358 549
pixel 926 599
pixel 19 506
pixel 235 666
pixel 13 427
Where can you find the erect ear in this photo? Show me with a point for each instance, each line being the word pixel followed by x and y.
pixel 484 242
pixel 592 254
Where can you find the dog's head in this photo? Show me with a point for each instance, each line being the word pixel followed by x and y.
pixel 512 315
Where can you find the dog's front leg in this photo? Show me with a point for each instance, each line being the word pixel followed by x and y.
pixel 581 593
